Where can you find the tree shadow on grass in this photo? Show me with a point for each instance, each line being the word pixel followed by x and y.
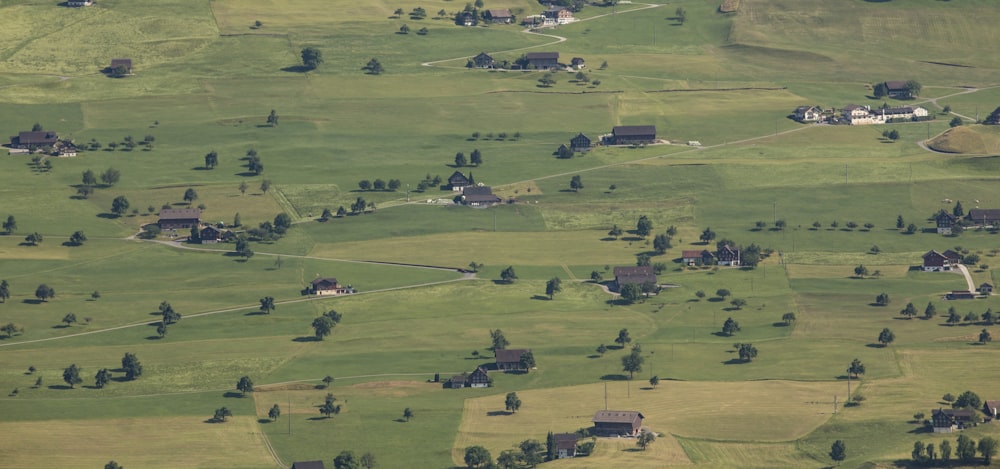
pixel 318 418
pixel 614 377
pixel 874 345
pixel 296 69
pixel 306 338
pixel 594 356
pixel 780 324
pixel 498 413
pixel 735 361
pixel 262 421
pixel 540 297
pixel 59 386
pixel 399 420
pixel 256 313
pixel 154 337
pixel 232 394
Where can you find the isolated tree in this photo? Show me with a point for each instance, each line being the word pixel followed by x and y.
pixel 680 15
pixel 477 457
pixel 508 275
pixel 327 380
pixel 211 159
pixel 368 461
pixel 34 239
pixel 645 439
pixel 498 341
pixel 661 243
pixel 788 318
pixel 576 183
pixel 623 338
pixel 838 451
pixel 602 349
pixel 322 327
pixel 85 191
pixel 911 228
pixel 988 448
pixel 328 409
pixel 407 414
pixel 615 232
pixel 69 319
pixel 102 378
pixel 861 271
pixel 131 366
pixel 190 195
pixel 311 58
pixel 930 311
pixel 267 304
pixel 272 119
pixel 71 376
pixel 857 368
pixel 244 385
pixel 44 292
pixel 909 311
pixel 274 413
pixel 161 330
pixel 632 363
pixel 984 336
pixel 4 291
pixel 882 299
pixel 221 413
pixel 722 293
pixel 460 160
pixel 512 402
pixel 707 236
pixel 346 460
pixel 476 157
pixel 547 80
pixel 553 286
pixel 644 226
pixel 738 303
pixel 886 337
pixel 730 327
pixel 112 465
pixel 373 67
pixel 10 225
pixel 10 329
pixel 77 238
pixel 655 380
pixel 265 184
pixel 747 352
pixel 119 206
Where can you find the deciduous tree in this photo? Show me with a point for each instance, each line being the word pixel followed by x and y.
pixel 274 413
pixel 730 327
pixel 44 292
pixel 322 327
pixel 477 457
pixel 645 439
pixel 838 451
pixel 512 402
pixel 71 376
pixel 553 286
pixel 244 385
pixel 211 159
pixel 886 337
pixel 119 206
pixel 131 366
pixel 102 378
pixel 508 275
pixel 311 58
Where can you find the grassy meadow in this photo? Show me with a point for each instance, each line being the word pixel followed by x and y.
pixel 205 78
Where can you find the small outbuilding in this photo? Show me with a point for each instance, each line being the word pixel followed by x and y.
pixel 565 445
pixel 961 295
pixel 986 289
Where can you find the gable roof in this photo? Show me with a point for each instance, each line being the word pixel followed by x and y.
pixel 695 254
pixel 308 465
pixel 565 441
pixel 542 56
pixel 896 85
pixel 509 355
pixel 934 255
pixel 500 13
pixel 617 416
pixel 637 275
pixel 951 255
pixel 44 137
pixel 321 283
pixel 991 404
pixel 632 130
pixel 479 194
pixel 127 63
pixel 180 214
pixel 457 178
pixel 981 214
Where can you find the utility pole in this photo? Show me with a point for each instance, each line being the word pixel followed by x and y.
pixel 289 415
pixel 835 403
pixel 774 211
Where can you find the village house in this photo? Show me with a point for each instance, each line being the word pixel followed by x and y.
pixel 484 60
pixel 945 222
pixel 854 114
pixel 328 286
pixel 640 275
pixel 542 60
pixel 510 359
pixel 502 16
pixel 172 219
pixel 580 143
pixel 457 381
pixel 936 262
pixel 953 257
pixel 617 422
pixel 558 15
pixel 990 407
pixel 479 378
pixel 479 196
pixel 632 134
pixel 565 445
pixel 728 255
pixel 949 420
pixel 210 234
pixel 466 18
pixel 458 182
pixel 983 216
pixel 696 257
pixel 808 114
pixel 34 140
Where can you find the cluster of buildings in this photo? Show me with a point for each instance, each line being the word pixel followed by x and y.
pixel 505 360
pixel 41 141
pixel 854 114
pixel 532 61
pixel 977 217
pixel 950 420
pixel 325 286
pixel 472 194
pixel 725 255
pixel 934 261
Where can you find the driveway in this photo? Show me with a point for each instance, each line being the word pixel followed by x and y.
pixel 968 278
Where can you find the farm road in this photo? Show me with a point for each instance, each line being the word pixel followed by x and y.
pixel 968 278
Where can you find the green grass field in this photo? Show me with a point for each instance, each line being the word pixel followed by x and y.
pixel 205 78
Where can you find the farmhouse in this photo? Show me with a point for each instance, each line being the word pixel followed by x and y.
pixel 945 221
pixel 617 422
pixel 210 234
pixel 483 60
pixel 479 196
pixel 961 295
pixel 949 420
pixel 558 15
pixel 808 114
pixel 580 143
pixel 565 445
pixel 983 216
pixel 542 60
pixel 897 89
pixel 308 465
pixel 172 219
pixel 502 16
pixel 328 286
pixel 635 275
pixel 695 257
pixel 479 378
pixel 728 255
pixel 990 407
pixel 936 262
pixel 510 359
pixel 952 256
pixel 32 140
pixel 457 181
pixel 457 381
pixel 633 134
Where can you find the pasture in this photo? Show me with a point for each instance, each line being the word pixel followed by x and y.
pixel 205 79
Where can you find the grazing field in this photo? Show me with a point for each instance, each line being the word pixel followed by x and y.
pixel 820 201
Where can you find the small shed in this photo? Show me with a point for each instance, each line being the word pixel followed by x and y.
pixel 565 445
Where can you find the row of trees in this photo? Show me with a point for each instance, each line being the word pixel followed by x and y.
pixel 475 159
pixel 405 29
pixel 965 451
pixel 379 185
pixel 131 366
pixel 499 136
